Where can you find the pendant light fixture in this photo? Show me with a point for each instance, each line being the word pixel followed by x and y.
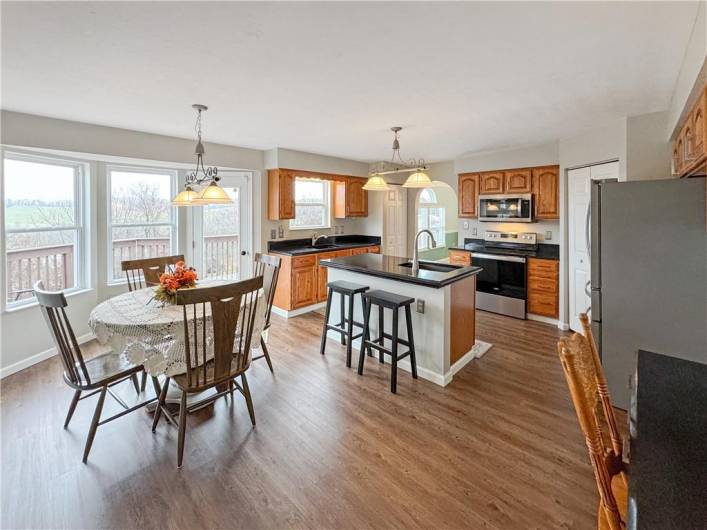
pixel 418 179
pixel 206 177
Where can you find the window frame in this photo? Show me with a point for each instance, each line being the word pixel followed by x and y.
pixel 81 245
pixel 326 204
pixel 172 223
pixel 427 207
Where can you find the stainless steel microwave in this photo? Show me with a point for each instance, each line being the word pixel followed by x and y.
pixel 506 208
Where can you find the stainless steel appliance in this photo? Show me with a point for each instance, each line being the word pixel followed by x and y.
pixel 501 285
pixel 648 274
pixel 506 208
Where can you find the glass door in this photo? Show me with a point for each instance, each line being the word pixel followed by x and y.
pixel 221 233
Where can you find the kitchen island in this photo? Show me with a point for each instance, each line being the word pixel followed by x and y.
pixel 444 332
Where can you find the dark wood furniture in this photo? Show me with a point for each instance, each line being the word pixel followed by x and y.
pixel 268 267
pixel 395 302
pixel 346 323
pixel 668 474
pixel 580 371
pixel 95 375
pixel 233 309
pixel 145 272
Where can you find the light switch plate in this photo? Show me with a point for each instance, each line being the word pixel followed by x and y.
pixel 273 233
pixel 280 231
pixel 548 235
pixel 420 306
pixel 466 225
pixel 473 231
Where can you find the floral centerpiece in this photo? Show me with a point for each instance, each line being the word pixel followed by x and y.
pixel 181 277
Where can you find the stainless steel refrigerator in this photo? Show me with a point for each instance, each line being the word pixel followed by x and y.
pixel 648 274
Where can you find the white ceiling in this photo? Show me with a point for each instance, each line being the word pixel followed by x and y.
pixel 331 78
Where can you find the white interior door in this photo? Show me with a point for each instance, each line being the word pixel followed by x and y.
pixel 579 193
pixel 221 233
pixel 395 222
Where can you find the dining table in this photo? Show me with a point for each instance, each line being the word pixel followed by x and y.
pixel 668 444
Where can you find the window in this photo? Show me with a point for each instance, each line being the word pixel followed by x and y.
pixel 430 215
pixel 141 219
pixel 311 204
pixel 43 216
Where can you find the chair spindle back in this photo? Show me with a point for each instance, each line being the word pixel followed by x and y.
pixel 145 272
pixel 268 267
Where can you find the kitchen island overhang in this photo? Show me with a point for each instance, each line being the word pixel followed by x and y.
pixel 444 334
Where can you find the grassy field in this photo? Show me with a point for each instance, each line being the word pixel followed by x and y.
pixel 36 216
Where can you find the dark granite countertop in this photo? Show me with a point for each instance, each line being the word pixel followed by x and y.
pixel 544 251
pixel 390 267
pixel 294 247
pixel 668 453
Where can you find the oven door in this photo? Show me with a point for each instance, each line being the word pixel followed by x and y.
pixel 506 208
pixel 501 275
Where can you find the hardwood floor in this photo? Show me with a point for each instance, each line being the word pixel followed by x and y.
pixel 499 448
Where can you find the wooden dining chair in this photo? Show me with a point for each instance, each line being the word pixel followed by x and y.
pixel 580 372
pixel 268 267
pixel 96 375
pixel 145 272
pixel 233 309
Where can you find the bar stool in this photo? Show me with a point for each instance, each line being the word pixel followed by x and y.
pixel 345 326
pixel 384 299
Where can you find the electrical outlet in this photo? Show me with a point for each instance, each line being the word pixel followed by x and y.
pixel 473 231
pixel 548 235
pixel 273 233
pixel 466 225
pixel 341 229
pixel 280 231
pixel 420 306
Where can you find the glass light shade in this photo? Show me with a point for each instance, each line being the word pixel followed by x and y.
pixel 212 194
pixel 185 197
pixel 376 183
pixel 418 180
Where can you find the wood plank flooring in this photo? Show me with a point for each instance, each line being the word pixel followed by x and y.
pixel 499 448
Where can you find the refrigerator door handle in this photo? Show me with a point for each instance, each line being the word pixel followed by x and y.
pixel 587 221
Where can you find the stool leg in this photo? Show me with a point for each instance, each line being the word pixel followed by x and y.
pixel 343 320
pixel 349 332
pixel 366 334
pixel 381 338
pixel 394 354
pixel 369 351
pixel 326 321
pixel 411 341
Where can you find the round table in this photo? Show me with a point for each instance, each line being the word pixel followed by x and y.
pixel 151 333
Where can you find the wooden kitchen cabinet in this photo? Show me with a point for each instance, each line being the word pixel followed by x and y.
pixel 322 275
pixel 304 281
pixel 689 152
pixel 518 181
pixel 546 192
pixel 491 182
pixel 544 287
pixel 281 194
pixel 698 127
pixel 460 257
pixel 356 197
pixel 468 195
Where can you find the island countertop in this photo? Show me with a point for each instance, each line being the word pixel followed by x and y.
pixel 393 268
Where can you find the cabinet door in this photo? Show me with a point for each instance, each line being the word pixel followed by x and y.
pixel 374 250
pixel 304 286
pixel 543 287
pixel 359 250
pixel 356 198
pixel 322 276
pixel 460 257
pixel 468 195
pixel 287 195
pixel 518 181
pixel 698 126
pixel 491 182
pixel 687 138
pixel 546 188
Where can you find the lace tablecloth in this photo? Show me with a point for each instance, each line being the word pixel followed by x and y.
pixel 152 334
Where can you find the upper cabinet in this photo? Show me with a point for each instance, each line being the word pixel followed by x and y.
pixel 491 182
pixel 546 192
pixel 689 147
pixel 281 194
pixel 468 195
pixel 518 181
pixel 350 199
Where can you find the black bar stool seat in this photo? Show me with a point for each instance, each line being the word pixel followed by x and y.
pixel 387 300
pixel 346 324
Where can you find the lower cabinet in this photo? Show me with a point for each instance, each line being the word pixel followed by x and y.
pixel 304 281
pixel 322 275
pixel 543 287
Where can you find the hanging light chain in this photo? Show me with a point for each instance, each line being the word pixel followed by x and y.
pixel 209 173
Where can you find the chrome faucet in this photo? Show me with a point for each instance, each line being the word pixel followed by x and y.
pixel 316 238
pixel 415 259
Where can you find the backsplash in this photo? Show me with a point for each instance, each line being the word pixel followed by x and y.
pixel 540 227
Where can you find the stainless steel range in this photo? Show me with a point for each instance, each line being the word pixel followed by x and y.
pixel 501 286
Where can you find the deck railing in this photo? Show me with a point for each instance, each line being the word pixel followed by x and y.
pixel 221 257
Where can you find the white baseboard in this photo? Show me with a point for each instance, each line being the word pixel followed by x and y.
pixel 564 326
pixel 38 358
pixel 299 311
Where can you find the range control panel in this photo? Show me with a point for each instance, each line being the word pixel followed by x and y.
pixel 523 238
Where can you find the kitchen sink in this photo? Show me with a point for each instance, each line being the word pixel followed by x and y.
pixel 432 266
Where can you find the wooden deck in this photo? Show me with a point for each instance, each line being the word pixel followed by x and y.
pixel 499 448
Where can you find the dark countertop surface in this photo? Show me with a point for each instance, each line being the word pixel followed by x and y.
pixel 390 267
pixel 668 453
pixel 544 251
pixel 294 247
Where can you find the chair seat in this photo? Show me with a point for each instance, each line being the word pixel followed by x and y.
pixel 108 367
pixel 342 286
pixel 387 299
pixel 618 487
pixel 183 381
